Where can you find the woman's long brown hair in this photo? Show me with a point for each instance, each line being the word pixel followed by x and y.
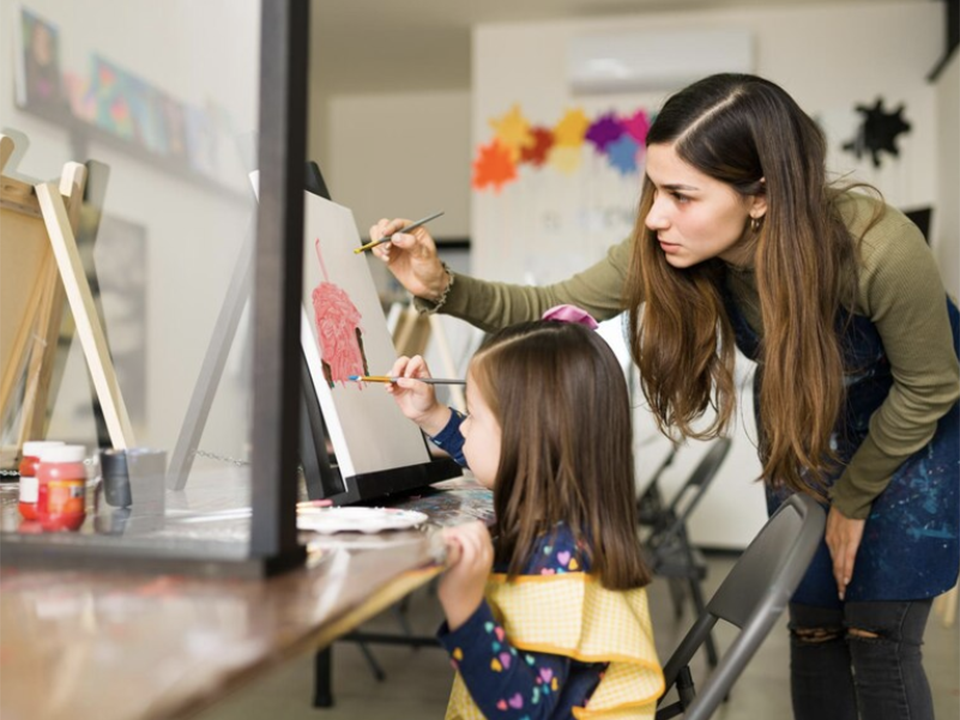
pixel 566 455
pixel 750 134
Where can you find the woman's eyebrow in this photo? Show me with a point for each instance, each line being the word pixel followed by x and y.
pixel 679 186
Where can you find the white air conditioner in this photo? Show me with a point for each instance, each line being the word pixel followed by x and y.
pixel 655 60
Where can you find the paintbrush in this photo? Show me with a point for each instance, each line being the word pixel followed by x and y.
pixel 408 228
pixel 391 379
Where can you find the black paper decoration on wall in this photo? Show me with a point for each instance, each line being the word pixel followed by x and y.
pixel 878 131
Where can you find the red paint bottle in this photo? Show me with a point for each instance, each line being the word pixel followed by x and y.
pixel 62 496
pixel 29 484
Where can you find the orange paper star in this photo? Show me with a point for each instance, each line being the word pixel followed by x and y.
pixel 493 166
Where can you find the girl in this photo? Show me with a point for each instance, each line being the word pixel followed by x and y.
pixel 562 623
pixel 741 241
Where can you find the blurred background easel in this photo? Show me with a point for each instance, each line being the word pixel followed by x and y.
pixel 40 266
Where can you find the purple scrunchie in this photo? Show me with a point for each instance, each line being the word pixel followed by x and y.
pixel 571 314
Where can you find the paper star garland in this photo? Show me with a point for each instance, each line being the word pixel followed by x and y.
pixel 516 142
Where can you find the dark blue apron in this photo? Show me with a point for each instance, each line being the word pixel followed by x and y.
pixel 910 547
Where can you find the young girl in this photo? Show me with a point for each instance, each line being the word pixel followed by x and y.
pixel 561 627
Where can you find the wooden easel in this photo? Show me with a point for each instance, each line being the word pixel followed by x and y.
pixel 40 265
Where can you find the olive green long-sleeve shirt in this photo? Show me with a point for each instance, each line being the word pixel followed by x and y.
pixel 899 291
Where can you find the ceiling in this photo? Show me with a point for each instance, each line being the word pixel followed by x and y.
pixel 375 46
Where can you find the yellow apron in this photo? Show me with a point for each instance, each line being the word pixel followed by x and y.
pixel 573 615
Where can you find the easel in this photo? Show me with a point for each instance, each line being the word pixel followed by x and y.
pixel 205 389
pixel 322 478
pixel 41 265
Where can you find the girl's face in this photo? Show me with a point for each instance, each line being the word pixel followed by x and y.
pixel 696 217
pixel 481 433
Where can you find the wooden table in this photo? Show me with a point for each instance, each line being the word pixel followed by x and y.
pixel 111 646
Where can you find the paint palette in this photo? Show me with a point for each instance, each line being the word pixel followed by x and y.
pixel 357 519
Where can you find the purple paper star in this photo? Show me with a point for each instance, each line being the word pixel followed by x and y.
pixel 604 131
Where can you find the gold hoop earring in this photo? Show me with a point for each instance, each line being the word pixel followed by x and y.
pixel 756 223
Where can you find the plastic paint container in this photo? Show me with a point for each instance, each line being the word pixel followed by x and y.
pixel 61 502
pixel 29 484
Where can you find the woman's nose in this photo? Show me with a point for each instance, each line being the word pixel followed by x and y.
pixel 656 219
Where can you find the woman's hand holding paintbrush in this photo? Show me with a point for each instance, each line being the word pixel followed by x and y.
pixel 417 400
pixel 412 258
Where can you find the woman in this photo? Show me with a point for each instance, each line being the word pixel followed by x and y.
pixel 741 241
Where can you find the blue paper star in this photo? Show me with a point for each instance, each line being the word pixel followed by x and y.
pixel 623 154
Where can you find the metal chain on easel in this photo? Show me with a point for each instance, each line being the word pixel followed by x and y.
pixel 232 460
pixel 221 458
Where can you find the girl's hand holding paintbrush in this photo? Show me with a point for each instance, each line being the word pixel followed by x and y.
pixel 411 257
pixel 417 400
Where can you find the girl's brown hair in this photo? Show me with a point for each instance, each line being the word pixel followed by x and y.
pixel 749 133
pixel 561 399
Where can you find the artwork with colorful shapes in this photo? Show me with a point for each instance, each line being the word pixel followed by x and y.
pixel 517 142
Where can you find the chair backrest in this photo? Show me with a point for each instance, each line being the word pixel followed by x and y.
pixel 752 597
pixel 670 522
pixel 701 476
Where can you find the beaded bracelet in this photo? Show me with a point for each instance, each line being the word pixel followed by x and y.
pixel 446 291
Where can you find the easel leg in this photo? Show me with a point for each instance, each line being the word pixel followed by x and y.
pixel 322 690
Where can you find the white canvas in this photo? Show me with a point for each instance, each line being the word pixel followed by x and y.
pixel 368 431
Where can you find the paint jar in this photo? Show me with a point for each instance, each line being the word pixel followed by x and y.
pixel 62 496
pixel 29 484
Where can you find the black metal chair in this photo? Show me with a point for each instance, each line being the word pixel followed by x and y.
pixel 667 546
pixel 752 597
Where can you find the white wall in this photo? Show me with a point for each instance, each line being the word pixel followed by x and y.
pixel 401 155
pixel 193 234
pixel 946 214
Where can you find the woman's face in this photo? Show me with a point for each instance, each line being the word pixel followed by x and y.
pixel 696 217
pixel 481 433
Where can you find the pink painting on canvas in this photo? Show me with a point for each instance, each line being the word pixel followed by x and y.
pixel 339 333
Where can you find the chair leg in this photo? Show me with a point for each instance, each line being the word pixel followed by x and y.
pixel 676 596
pixel 400 613
pixel 375 668
pixel 322 666
pixel 700 607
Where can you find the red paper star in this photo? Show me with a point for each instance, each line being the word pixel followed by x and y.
pixel 536 154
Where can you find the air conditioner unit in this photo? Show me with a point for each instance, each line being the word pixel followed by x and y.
pixel 655 60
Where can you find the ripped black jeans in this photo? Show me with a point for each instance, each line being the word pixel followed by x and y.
pixel 859 661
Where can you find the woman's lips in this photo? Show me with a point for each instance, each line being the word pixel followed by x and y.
pixel 668 247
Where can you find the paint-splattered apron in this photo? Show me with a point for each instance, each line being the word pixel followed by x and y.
pixel 910 547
